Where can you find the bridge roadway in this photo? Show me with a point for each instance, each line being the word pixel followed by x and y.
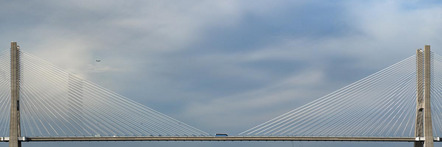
pixel 224 138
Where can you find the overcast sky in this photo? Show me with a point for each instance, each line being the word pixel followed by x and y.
pixel 222 66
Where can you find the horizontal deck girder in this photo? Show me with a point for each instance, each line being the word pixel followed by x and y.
pixel 212 138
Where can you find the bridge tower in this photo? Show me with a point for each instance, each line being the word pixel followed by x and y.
pixel 14 124
pixel 423 127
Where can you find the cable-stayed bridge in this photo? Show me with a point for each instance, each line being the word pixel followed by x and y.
pixel 41 102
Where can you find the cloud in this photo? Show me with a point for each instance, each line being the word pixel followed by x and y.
pixel 373 42
pixel 243 61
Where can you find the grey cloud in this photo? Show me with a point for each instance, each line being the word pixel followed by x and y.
pixel 244 61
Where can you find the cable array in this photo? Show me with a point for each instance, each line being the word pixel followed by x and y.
pixel 436 93
pixel 380 105
pixel 57 103
pixel 5 92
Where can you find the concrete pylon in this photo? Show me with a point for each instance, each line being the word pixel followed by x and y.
pixel 14 124
pixel 428 126
pixel 419 126
pixel 423 126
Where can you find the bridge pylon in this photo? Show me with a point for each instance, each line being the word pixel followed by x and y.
pixel 14 124
pixel 423 126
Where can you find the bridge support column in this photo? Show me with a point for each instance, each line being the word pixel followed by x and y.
pixel 424 126
pixel 14 124
pixel 428 126
pixel 419 126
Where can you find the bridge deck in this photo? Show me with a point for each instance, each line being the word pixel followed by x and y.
pixel 229 138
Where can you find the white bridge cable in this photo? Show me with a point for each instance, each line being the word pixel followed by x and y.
pixel 325 126
pixel 56 103
pixel 380 105
pixel 436 93
pixel 363 81
pixel 114 124
pixel 5 93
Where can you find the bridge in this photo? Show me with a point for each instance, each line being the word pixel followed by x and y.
pixel 41 102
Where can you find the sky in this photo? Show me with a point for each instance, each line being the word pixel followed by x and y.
pixel 222 66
